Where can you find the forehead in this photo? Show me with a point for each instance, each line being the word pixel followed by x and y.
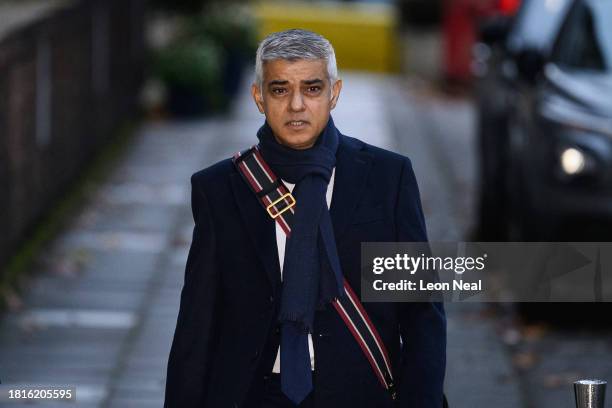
pixel 294 70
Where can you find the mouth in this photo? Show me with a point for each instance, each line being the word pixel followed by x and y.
pixel 297 124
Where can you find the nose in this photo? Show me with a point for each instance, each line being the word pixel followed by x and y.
pixel 297 102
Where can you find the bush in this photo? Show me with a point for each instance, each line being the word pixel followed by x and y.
pixel 192 70
pixel 204 63
pixel 234 29
pixel 231 26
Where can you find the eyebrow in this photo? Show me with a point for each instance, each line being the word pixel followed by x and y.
pixel 277 82
pixel 306 82
pixel 313 81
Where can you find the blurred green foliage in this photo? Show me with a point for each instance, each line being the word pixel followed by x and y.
pixel 231 26
pixel 195 67
pixel 205 61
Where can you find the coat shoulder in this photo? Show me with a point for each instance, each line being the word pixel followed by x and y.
pixel 212 176
pixel 380 156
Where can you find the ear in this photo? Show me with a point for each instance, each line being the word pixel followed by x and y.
pixel 336 93
pixel 257 97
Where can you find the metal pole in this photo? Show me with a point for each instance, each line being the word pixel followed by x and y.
pixel 590 393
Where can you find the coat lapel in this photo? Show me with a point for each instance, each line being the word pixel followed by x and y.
pixel 261 228
pixel 352 168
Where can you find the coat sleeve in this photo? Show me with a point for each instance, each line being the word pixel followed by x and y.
pixel 422 325
pixel 190 355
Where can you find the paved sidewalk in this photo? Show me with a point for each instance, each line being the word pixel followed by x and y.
pixel 101 312
pixel 102 309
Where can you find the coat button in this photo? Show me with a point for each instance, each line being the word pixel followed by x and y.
pixel 271 299
pixel 256 354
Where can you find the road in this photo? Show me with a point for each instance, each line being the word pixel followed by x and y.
pixel 101 309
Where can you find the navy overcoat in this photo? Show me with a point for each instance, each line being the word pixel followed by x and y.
pixel 227 336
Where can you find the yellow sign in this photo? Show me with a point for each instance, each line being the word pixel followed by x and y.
pixel 363 35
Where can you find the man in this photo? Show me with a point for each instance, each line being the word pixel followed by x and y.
pixel 259 323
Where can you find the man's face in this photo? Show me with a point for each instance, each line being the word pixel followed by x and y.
pixel 296 97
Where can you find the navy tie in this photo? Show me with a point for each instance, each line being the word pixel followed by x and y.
pixel 296 376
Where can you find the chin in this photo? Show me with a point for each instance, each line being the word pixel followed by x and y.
pixel 303 141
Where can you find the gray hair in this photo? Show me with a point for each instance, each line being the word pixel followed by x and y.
pixel 293 45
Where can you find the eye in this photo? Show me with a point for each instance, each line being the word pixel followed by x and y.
pixel 278 91
pixel 313 89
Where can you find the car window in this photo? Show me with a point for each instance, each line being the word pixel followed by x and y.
pixel 585 40
pixel 537 24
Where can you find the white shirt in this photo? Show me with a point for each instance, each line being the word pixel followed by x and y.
pixel 281 239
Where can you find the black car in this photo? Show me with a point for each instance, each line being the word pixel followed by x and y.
pixel 545 128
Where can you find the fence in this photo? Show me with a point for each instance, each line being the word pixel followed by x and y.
pixel 66 81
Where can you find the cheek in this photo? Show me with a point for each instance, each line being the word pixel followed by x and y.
pixel 321 110
pixel 321 105
pixel 274 112
pixel 277 104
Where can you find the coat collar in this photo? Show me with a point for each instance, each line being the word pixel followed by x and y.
pixel 352 168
